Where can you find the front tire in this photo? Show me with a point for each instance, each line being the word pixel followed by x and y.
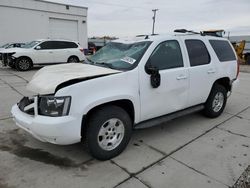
pixel 109 131
pixel 23 64
pixel 216 101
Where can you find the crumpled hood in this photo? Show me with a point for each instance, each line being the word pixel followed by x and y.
pixel 11 50
pixel 48 78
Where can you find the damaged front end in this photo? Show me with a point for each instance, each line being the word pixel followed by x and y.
pixel 45 105
pixel 8 59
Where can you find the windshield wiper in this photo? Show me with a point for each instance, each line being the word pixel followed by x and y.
pixel 105 64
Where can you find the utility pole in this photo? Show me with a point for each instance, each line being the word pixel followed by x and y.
pixel 154 10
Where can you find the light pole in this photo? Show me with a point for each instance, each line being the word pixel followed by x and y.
pixel 153 30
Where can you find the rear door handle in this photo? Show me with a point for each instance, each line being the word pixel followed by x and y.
pixel 181 77
pixel 51 52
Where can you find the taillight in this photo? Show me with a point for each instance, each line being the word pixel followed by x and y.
pixel 82 50
pixel 238 68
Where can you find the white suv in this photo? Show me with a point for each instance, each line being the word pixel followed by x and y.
pixel 128 84
pixel 43 52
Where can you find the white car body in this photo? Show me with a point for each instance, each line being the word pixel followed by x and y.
pixel 180 88
pixel 40 56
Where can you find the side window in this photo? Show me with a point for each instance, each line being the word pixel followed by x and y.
pixel 223 50
pixel 57 45
pixel 65 45
pixel 71 45
pixel 47 45
pixel 167 55
pixel 197 52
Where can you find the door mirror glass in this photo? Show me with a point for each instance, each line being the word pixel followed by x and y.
pixel 38 48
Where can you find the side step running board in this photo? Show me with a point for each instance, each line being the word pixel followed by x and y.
pixel 163 119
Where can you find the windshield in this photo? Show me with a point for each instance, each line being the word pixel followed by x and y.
pixel 120 55
pixel 5 45
pixel 30 44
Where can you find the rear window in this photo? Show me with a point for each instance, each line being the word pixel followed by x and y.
pixel 223 50
pixel 197 52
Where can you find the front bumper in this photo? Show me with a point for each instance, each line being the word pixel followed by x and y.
pixel 7 59
pixel 57 130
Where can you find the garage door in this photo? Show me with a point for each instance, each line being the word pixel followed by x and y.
pixel 63 29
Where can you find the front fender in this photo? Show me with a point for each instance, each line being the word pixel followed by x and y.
pixel 88 94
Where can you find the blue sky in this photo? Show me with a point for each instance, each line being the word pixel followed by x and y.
pixel 129 18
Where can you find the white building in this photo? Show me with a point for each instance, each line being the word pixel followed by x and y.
pixel 27 20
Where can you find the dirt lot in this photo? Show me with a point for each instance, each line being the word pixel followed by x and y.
pixel 192 151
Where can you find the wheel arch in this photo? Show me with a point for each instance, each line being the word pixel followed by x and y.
pixel 225 81
pixel 23 56
pixel 125 104
pixel 73 56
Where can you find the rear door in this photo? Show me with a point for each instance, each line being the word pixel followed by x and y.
pixel 172 93
pixel 202 71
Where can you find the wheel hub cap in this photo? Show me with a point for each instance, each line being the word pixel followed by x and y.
pixel 111 134
pixel 24 64
pixel 218 102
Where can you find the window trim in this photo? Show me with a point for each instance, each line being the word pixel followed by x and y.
pixel 183 64
pixel 210 59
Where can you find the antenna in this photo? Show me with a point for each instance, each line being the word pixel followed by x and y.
pixel 154 17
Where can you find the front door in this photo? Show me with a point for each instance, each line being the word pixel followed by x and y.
pixel 44 54
pixel 172 93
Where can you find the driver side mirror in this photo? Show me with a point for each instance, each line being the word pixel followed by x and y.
pixel 38 48
pixel 155 76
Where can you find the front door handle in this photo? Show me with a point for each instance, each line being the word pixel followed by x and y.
pixel 181 77
pixel 211 71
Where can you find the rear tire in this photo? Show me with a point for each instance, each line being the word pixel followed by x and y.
pixel 216 101
pixel 73 59
pixel 23 64
pixel 109 130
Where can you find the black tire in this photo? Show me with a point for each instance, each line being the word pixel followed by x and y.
pixel 23 64
pixel 96 122
pixel 73 59
pixel 215 97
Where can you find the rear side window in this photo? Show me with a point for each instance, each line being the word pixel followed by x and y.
pixel 223 50
pixel 69 45
pixel 197 52
pixel 64 45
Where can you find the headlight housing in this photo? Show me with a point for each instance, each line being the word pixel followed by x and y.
pixel 54 106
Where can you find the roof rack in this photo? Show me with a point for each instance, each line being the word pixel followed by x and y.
pixel 146 36
pixel 188 31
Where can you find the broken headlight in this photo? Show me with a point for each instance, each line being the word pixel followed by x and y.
pixel 54 106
